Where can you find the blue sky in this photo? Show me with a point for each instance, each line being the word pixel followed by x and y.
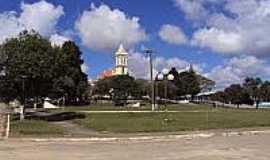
pixel 226 40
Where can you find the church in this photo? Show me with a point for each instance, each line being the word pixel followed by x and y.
pixel 121 64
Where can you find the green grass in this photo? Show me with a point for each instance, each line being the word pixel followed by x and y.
pixel 176 107
pixel 34 128
pixel 170 122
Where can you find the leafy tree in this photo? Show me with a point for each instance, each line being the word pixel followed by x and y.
pixel 189 83
pixel 220 96
pixel 69 80
pixel 26 65
pixel 252 87
pixel 235 94
pixel 265 91
pixel 205 83
pixel 171 89
pixel 118 87
pixel 175 74
pixel 32 69
pixel 142 89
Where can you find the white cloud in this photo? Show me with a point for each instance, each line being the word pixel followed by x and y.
pixel 196 10
pixel 172 34
pixel 193 9
pixel 246 31
pixel 218 40
pixel 58 40
pixel 103 28
pixel 139 65
pixel 234 70
pixel 160 63
pixel 40 16
pixel 85 68
pixel 9 26
pixel 237 69
pixel 238 28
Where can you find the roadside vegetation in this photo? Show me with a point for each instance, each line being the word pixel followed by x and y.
pixel 34 128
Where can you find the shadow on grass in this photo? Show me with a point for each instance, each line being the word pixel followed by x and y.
pixel 51 117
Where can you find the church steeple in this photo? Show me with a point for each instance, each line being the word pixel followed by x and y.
pixel 121 49
pixel 121 61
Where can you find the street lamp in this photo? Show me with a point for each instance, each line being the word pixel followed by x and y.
pixel 166 77
pixel 149 52
pixel 23 89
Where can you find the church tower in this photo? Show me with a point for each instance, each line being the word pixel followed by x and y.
pixel 121 62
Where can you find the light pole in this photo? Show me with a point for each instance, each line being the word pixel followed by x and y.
pixel 150 52
pixel 165 76
pixel 23 89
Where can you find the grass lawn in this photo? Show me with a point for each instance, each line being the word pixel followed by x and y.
pixel 98 108
pixel 34 128
pixel 176 107
pixel 203 119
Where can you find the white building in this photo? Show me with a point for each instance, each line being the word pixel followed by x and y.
pixel 121 62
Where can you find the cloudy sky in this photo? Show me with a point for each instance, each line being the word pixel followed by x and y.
pixel 226 40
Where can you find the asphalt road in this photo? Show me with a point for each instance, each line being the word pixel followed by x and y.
pixel 247 147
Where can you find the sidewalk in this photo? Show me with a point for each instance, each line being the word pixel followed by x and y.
pixel 152 137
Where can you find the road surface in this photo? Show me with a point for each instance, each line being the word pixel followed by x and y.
pixel 246 147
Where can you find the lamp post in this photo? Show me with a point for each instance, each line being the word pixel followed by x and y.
pixel 166 77
pixel 23 89
pixel 150 52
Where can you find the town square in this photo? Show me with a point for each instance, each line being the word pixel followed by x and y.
pixel 118 79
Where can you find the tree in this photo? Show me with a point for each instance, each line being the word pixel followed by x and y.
pixel 32 69
pixel 220 96
pixel 70 80
pixel 26 60
pixel 189 84
pixel 205 83
pixel 142 88
pixel 175 74
pixel 252 87
pixel 237 95
pixel 118 87
pixel 171 89
pixel 265 91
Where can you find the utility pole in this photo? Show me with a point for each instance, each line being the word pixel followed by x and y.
pixel 150 52
pixel 24 97
pixel 165 91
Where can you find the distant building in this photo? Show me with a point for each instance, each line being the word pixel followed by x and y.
pixel 121 64
pixel 106 74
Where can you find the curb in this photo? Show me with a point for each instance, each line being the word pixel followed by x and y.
pixel 117 139
pixel 147 138
pixel 245 133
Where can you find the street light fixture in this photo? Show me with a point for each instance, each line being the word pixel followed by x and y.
pixel 166 77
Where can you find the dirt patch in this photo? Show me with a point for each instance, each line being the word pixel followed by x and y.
pixel 74 130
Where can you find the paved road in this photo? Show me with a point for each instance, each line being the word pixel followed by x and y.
pixel 248 147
